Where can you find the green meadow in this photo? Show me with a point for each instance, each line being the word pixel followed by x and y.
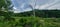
pixel 29 22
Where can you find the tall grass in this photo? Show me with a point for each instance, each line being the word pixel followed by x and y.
pixel 29 22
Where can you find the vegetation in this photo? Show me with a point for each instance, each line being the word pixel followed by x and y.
pixel 29 22
pixel 25 19
pixel 41 13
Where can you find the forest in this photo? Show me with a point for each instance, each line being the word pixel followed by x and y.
pixel 41 13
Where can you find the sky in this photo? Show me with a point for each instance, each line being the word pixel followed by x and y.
pixel 25 5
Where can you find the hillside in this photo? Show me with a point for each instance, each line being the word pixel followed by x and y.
pixel 41 13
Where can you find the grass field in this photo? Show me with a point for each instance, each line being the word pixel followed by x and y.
pixel 29 22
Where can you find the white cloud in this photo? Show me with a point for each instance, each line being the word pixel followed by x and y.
pixel 28 9
pixel 45 6
pixel 14 8
pixel 22 5
pixel 49 5
pixel 37 6
pixel 16 11
pixel 57 6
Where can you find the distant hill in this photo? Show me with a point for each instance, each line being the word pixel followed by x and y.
pixel 41 13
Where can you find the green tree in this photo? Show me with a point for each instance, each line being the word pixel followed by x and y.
pixel 5 5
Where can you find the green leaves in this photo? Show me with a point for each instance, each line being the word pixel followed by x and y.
pixel 2 3
pixel 5 4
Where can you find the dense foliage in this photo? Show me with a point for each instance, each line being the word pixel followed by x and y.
pixel 5 5
pixel 41 13
pixel 29 22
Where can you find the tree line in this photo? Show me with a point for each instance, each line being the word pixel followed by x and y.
pixel 41 13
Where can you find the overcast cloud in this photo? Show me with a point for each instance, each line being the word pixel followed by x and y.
pixel 24 5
